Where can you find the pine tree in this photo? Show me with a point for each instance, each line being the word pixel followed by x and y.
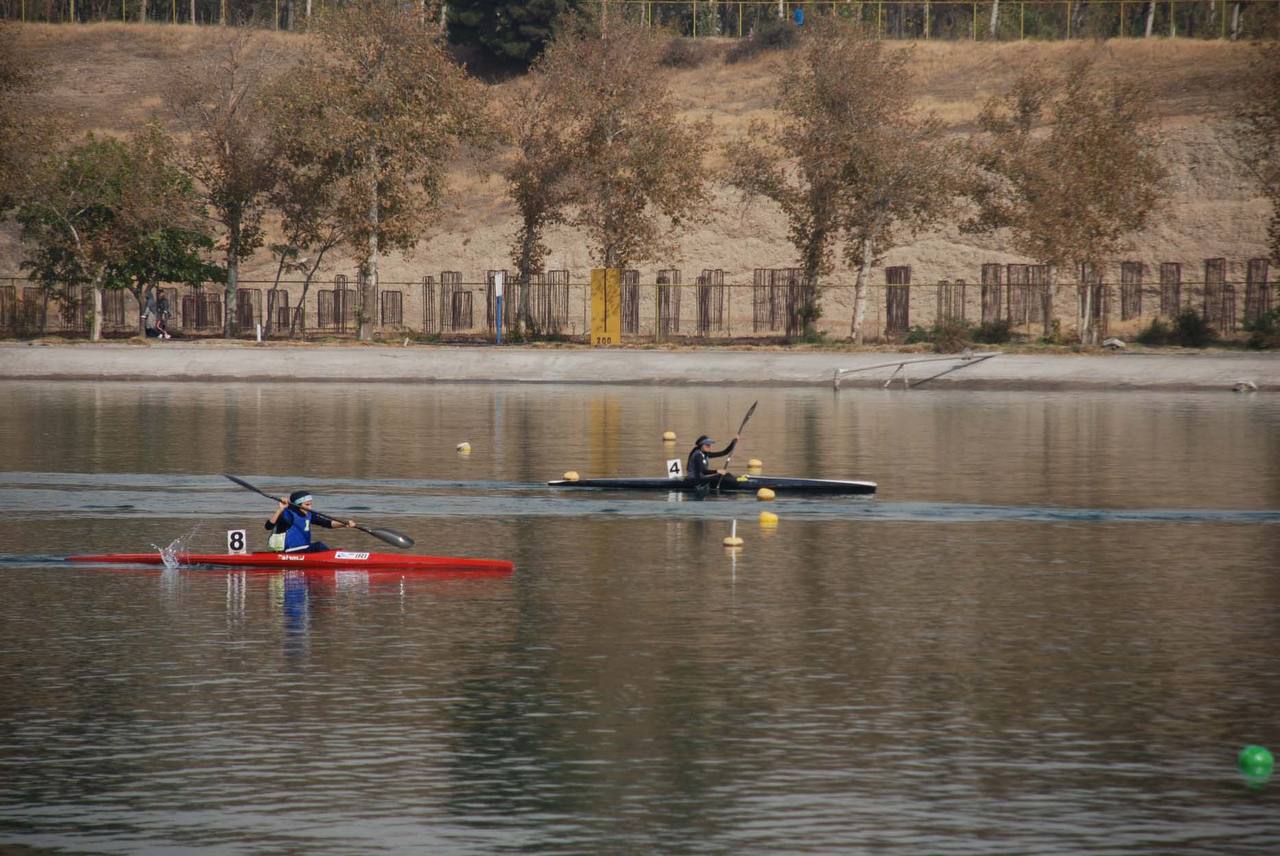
pixel 513 34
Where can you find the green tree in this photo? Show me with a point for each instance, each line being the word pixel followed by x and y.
pixel 637 168
pixel 381 108
pixel 511 33
pixel 162 254
pixel 1068 168
pixel 93 213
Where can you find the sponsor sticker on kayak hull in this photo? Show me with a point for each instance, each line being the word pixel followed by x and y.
pixel 357 556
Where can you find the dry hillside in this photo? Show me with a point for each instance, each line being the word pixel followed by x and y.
pixel 110 78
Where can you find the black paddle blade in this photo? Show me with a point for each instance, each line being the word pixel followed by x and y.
pixel 747 418
pixel 392 537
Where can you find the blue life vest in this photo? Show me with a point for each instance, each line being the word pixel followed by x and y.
pixel 298 535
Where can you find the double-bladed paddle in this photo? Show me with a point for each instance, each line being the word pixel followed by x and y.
pixel 389 535
pixel 745 420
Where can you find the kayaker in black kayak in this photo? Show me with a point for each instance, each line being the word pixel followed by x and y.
pixel 291 525
pixel 699 470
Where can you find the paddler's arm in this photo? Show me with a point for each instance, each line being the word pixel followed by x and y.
pixel 725 451
pixel 329 523
pixel 271 521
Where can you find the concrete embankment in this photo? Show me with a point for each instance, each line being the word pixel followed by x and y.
pixel 220 362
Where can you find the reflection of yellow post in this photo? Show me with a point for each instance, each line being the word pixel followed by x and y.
pixel 606 306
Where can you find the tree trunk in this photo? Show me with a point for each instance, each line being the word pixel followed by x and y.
pixel 1050 294
pixel 524 317
pixel 192 7
pixel 141 295
pixel 296 323
pixel 233 279
pixel 995 20
pixel 365 327
pixel 1077 19
pixel 270 313
pixel 1151 17
pixel 1235 21
pixel 860 292
pixel 142 11
pixel 95 323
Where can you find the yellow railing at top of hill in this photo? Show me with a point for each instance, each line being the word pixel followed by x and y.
pixel 922 19
pixel 889 19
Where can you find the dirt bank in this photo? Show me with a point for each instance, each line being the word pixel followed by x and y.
pixel 208 362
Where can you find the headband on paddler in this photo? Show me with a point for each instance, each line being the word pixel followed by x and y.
pixel 299 496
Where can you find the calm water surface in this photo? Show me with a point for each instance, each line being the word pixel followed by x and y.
pixel 1051 632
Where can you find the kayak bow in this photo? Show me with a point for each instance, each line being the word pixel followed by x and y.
pixel 326 559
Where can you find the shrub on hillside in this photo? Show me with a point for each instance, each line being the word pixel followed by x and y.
pixel 1190 330
pixel 1158 332
pixel 685 53
pixel 947 337
pixel 1264 334
pixel 770 34
pixel 995 332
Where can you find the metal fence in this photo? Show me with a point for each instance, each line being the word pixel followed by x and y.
pixel 1121 299
pixel 890 19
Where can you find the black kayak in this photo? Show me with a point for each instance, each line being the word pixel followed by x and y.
pixel 782 485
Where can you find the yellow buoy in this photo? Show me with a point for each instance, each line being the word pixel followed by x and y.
pixel 669 436
pixel 768 520
pixel 754 464
pixel 732 540
pixel 572 475
pixel 465 448
pixel 764 494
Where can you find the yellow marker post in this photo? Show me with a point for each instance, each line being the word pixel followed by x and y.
pixel 606 306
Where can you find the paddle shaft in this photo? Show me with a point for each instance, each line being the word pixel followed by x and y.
pixel 729 459
pixel 389 535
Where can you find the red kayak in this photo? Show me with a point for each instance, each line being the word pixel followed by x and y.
pixel 326 560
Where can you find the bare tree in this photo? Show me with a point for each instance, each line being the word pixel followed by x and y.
pixel 1068 167
pixel 637 172
pixel 1259 115
pixel 219 103
pixel 384 107
pixel 537 180
pixel 309 199
pixel 849 161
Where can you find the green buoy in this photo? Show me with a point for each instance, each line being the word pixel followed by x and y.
pixel 1256 760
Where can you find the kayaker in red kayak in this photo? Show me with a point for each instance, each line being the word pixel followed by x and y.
pixel 291 525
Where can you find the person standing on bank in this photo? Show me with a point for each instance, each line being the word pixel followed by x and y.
pixel 290 526
pixel 699 470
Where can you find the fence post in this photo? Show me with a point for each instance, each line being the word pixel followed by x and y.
pixel 657 312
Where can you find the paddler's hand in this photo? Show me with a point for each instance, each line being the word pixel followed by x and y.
pixel 351 524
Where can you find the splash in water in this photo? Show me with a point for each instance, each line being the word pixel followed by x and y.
pixel 178 546
pixel 170 554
